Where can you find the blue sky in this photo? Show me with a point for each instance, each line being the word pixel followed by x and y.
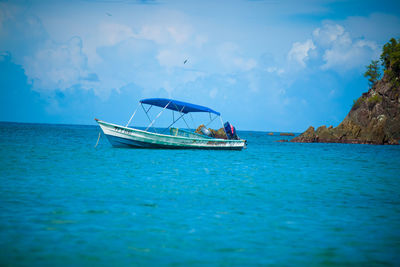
pixel 265 65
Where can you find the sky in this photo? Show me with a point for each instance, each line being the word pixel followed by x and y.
pixel 265 65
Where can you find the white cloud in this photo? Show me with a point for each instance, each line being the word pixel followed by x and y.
pixel 113 33
pixel 179 35
pixel 276 70
pixel 110 53
pixel 230 80
pixel 57 66
pixel 20 31
pixel 300 52
pixel 166 34
pixel 200 40
pixel 167 87
pixel 213 93
pixel 349 55
pixel 245 64
pixel 232 60
pixel 4 55
pixel 170 58
pixel 335 47
pixel 7 12
pixel 254 83
pixel 327 34
pixel 154 33
pixel 340 51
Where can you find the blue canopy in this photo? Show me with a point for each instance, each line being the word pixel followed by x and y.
pixel 177 105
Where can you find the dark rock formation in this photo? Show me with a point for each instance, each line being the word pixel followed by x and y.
pixel 286 134
pixel 282 141
pixel 373 119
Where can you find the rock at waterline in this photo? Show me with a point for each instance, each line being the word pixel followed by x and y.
pixel 286 134
pixel 373 119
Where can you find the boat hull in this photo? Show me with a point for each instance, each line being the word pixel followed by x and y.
pixel 120 136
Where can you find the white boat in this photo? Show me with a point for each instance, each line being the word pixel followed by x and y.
pixel 125 136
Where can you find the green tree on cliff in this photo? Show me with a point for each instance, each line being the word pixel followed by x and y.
pixel 373 74
pixel 391 60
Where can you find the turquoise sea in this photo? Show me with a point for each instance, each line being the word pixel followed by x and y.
pixel 65 203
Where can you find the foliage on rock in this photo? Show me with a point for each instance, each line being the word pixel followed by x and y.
pixel 357 103
pixel 373 73
pixel 375 116
pixel 390 58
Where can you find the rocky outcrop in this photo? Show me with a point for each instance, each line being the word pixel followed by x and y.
pixel 286 134
pixel 373 119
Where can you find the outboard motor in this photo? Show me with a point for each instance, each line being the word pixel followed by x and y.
pixel 230 131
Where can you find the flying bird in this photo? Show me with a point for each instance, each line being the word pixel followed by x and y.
pixel 184 62
pixel 108 14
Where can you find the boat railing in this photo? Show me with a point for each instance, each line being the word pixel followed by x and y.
pixel 187 133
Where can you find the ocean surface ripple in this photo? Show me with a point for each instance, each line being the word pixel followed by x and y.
pixel 64 202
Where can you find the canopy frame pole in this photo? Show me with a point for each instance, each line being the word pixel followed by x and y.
pixel 174 121
pixel 158 115
pixel 182 114
pixel 186 122
pixel 149 108
pixel 133 115
pixel 146 111
pixel 211 120
pixel 194 124
pixel 181 111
